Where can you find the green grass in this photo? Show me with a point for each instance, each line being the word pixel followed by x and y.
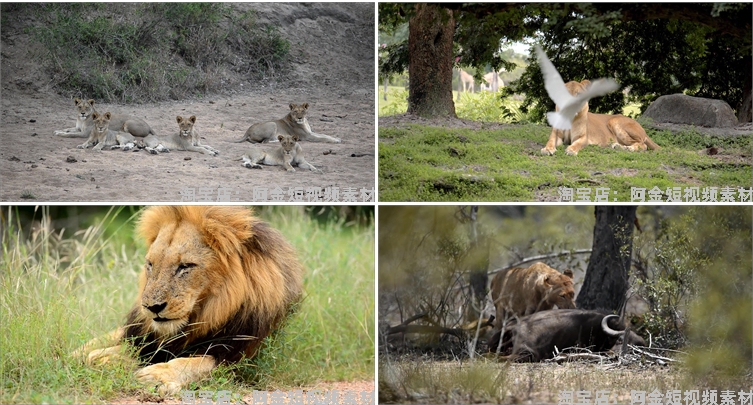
pixel 151 51
pixel 420 163
pixel 60 290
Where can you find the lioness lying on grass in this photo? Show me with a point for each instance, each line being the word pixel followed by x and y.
pixel 617 131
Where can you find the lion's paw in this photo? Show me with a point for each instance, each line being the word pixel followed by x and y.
pixel 571 152
pixel 291 170
pixel 548 152
pixel 104 356
pixel 161 376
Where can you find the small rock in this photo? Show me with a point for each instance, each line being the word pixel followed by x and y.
pixel 34 134
pixel 32 120
pixel 212 166
pixel 71 159
pixel 186 158
pixel 14 159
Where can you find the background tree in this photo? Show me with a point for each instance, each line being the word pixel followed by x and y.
pixel 606 280
pixel 654 49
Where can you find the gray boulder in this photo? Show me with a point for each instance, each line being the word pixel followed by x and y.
pixel 682 109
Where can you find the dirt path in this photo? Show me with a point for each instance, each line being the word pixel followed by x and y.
pixel 36 166
pixel 352 391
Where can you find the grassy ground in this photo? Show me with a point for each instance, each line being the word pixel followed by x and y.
pixel 421 163
pixel 487 381
pixel 60 290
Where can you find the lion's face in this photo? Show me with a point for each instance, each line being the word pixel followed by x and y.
pixel 84 108
pixel 101 122
pixel 298 112
pixel 175 277
pixel 186 125
pixel 560 290
pixel 287 142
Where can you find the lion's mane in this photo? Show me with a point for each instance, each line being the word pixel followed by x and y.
pixel 254 280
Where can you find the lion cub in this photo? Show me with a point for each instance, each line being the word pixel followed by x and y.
pixel 101 135
pixel 295 123
pixel 289 153
pixel 187 138
pixel 119 122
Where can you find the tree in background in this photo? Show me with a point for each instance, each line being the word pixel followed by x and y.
pixel 606 280
pixel 653 49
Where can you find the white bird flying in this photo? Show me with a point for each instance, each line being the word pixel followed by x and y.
pixel 568 104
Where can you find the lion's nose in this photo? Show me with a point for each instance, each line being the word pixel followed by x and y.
pixel 156 308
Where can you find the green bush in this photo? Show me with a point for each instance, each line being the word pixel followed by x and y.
pixel 154 51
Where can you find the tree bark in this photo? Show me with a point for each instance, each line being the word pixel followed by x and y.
pixel 606 281
pixel 431 30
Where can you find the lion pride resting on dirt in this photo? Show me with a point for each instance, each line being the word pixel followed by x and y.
pixel 216 282
pixel 518 292
pixel 588 128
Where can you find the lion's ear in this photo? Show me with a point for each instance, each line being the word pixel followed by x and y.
pixel 76 100
pixel 295 138
pixel 568 273
pixel 95 115
pixel 292 106
pixel 280 138
pixel 226 229
pixel 179 119
pixel 91 101
pixel 192 119
pixel 305 106
pixel 108 115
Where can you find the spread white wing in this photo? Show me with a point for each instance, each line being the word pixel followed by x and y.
pixel 568 104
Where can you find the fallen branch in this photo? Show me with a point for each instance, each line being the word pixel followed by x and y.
pixel 425 329
pixel 651 355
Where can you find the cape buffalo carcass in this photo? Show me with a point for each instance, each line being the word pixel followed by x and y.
pixel 534 337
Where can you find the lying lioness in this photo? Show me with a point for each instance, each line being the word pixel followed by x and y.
pixel 295 123
pixel 617 131
pixel 186 139
pixel 101 135
pixel 118 122
pixel 287 155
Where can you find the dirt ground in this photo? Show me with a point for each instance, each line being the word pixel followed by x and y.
pixel 343 389
pixel 37 166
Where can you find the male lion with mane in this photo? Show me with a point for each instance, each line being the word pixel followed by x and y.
pixel 216 282
pixel 617 131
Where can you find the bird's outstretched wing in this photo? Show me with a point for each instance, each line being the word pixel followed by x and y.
pixel 568 104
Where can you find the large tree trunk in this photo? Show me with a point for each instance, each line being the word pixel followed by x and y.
pixel 606 279
pixel 430 62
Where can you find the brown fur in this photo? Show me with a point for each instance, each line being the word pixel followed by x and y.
pixel 616 131
pixel 295 123
pixel 226 280
pixel 518 291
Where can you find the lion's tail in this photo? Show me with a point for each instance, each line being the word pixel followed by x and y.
pixel 651 144
pixel 243 138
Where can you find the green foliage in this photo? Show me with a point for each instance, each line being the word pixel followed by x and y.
pixel 505 164
pixel 57 291
pixel 489 107
pixel 397 101
pixel 652 49
pixel 720 320
pixel 153 51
